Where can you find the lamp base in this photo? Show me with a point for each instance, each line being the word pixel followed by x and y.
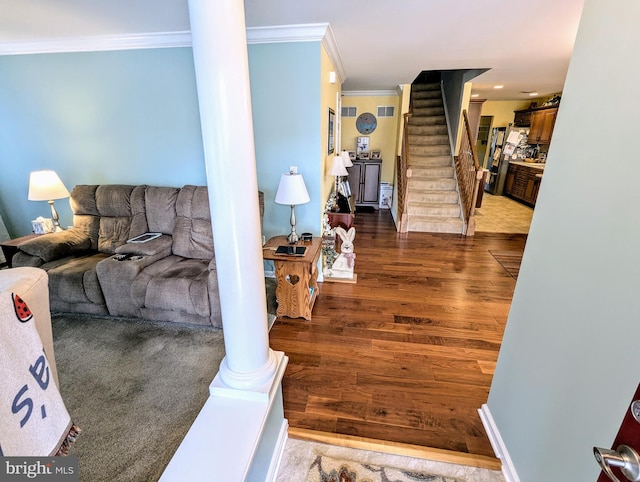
pixel 293 236
pixel 54 217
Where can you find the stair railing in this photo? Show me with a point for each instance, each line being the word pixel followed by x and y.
pixel 404 173
pixel 470 177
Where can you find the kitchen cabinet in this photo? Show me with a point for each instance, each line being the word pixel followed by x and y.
pixel 523 182
pixel 542 122
pixel 364 180
pixel 522 118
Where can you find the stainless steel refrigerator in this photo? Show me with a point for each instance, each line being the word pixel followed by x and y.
pixel 507 143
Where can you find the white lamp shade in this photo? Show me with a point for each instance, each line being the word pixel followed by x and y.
pixel 45 186
pixel 338 169
pixel 346 160
pixel 292 190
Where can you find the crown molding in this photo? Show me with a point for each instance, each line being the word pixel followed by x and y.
pixel 310 32
pixel 369 93
pixel 97 43
pixel 314 32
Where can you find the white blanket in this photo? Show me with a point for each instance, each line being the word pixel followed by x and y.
pixel 33 418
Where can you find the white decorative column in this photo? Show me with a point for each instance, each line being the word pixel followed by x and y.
pixel 241 431
pixel 222 74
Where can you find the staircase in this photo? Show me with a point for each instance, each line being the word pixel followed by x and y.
pixel 433 199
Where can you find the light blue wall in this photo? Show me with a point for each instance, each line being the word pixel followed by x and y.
pixel 128 117
pixel 285 94
pixel 131 117
pixel 569 362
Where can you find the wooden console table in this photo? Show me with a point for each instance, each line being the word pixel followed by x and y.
pixel 297 276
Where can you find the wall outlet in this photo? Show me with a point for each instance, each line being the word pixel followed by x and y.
pixel 293 169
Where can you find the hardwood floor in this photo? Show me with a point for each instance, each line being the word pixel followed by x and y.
pixel 407 354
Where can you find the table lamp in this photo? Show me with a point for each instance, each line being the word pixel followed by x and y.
pixel 292 191
pixel 339 170
pixel 346 159
pixel 47 186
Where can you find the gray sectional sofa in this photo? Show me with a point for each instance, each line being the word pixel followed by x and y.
pixel 93 269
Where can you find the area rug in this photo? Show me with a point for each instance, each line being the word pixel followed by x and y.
pixel 134 388
pixel 328 469
pixel 509 260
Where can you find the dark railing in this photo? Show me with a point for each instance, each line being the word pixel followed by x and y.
pixel 470 177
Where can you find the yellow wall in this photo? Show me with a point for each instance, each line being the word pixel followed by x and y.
pixel 329 98
pixel 502 110
pixel 383 139
pixel 466 98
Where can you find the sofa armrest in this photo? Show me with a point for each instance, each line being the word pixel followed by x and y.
pixel 49 247
pixel 150 248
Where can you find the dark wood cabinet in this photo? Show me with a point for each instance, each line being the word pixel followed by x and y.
pixel 364 180
pixel 523 183
pixel 522 118
pixel 540 120
pixel 542 123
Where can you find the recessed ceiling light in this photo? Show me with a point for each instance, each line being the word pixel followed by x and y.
pixel 475 95
pixel 533 94
pixel 498 86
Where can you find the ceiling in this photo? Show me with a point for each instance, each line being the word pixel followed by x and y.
pixel 382 43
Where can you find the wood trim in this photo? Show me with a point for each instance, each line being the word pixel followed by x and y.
pixel 396 448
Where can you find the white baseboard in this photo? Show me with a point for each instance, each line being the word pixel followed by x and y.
pixel 278 452
pixel 508 469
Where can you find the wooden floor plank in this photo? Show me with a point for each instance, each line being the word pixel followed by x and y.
pixel 405 355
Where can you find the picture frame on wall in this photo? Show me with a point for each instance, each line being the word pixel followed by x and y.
pixel 375 154
pixel 331 132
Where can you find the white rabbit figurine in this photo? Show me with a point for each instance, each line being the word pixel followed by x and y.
pixel 344 263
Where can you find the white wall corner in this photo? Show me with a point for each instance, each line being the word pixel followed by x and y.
pixel 500 449
pixel 331 46
pixel 311 32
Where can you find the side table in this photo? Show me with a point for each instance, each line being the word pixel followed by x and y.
pixel 297 276
pixel 10 247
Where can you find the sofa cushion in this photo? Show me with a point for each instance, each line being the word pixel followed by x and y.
pixel 85 211
pixel 174 284
pixel 76 280
pixel 57 245
pixel 114 205
pixel 160 205
pixel 192 235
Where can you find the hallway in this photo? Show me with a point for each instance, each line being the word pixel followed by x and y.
pixel 407 354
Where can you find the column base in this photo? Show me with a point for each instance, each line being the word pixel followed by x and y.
pixel 235 436
pixel 253 386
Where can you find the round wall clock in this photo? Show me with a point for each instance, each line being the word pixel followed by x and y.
pixel 366 123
